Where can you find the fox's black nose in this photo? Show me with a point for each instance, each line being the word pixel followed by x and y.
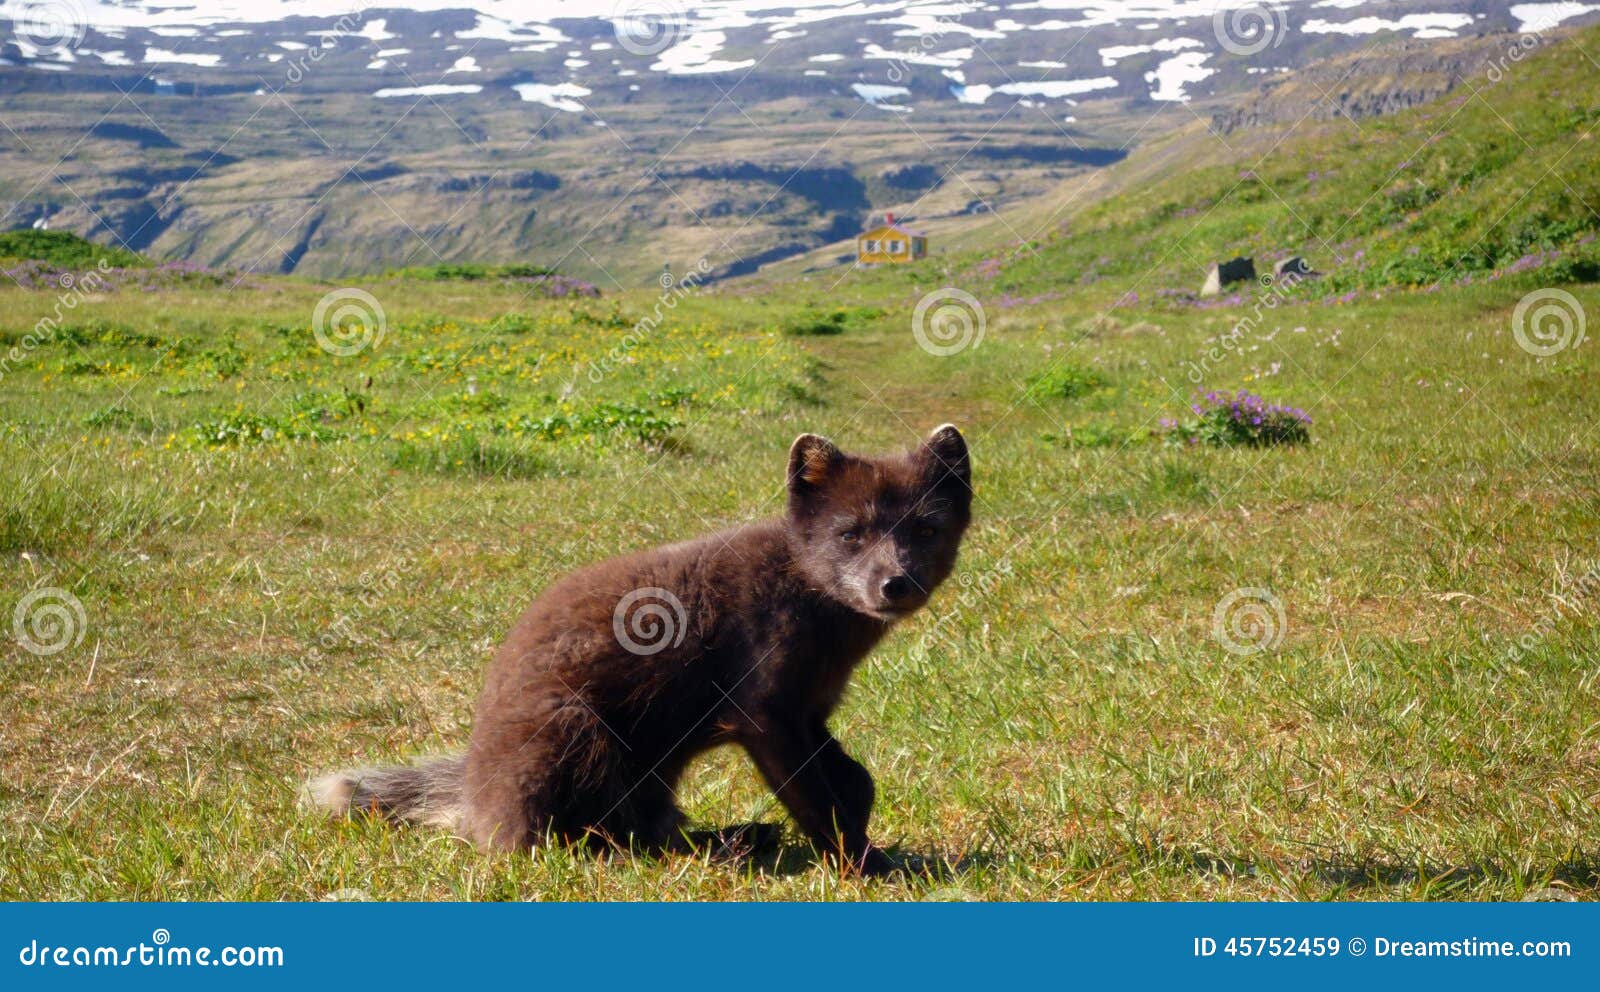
pixel 896 588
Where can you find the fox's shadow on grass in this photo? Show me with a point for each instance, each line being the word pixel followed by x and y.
pixel 1355 874
pixel 761 848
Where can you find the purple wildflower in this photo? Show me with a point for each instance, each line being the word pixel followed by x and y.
pixel 1239 418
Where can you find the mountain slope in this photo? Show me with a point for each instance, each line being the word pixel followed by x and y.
pixel 1497 177
pixel 338 142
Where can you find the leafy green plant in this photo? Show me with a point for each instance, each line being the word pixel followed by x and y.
pixel 225 361
pixel 1097 435
pixel 469 454
pixel 100 332
pixel 1064 381
pixel 309 417
pixel 470 272
pixel 85 367
pixel 815 323
pixel 511 323
pixel 644 425
pixel 469 401
pixel 110 416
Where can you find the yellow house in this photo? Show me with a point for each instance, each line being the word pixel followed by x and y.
pixel 890 242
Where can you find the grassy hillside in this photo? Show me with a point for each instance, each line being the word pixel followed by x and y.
pixel 1332 101
pixel 1478 183
pixel 62 250
pixel 1494 178
pixel 1361 666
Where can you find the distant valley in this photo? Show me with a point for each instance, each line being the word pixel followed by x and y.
pixel 613 142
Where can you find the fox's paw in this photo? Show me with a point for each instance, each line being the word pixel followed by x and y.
pixel 737 842
pixel 875 862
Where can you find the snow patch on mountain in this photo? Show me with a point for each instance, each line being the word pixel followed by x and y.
pixel 433 89
pixel 1174 74
pixel 1535 17
pixel 697 55
pixel 558 96
pixel 1422 25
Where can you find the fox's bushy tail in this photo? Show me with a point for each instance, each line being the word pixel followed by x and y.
pixel 427 793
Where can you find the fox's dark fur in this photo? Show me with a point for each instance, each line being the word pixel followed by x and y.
pixel 589 714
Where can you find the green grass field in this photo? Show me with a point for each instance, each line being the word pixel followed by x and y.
pixel 1363 667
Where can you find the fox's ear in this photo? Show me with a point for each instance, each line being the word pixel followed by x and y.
pixel 946 451
pixel 811 458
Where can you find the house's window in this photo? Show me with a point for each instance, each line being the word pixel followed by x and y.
pixel 871 246
pixel 894 247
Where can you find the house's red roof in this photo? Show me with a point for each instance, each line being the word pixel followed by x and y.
pixel 897 228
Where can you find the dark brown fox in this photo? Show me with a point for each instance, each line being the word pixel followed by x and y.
pixel 622 672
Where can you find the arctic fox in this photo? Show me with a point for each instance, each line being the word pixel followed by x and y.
pixel 622 672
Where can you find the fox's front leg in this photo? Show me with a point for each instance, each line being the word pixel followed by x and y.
pixel 828 793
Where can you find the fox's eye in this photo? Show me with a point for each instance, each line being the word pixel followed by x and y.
pixel 850 536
